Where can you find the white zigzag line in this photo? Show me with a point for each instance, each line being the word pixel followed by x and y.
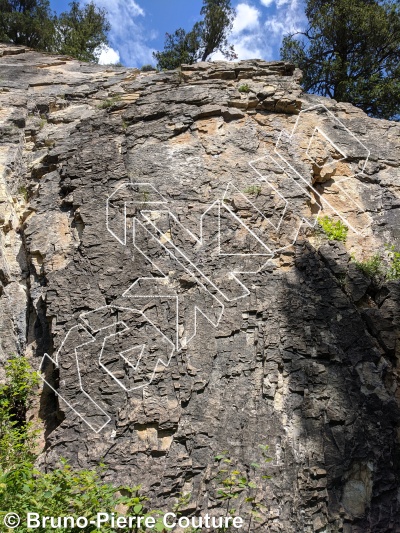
pixel 215 324
pixel 84 320
pixel 262 179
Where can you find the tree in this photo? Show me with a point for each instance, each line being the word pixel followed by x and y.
pixel 351 52
pixel 215 28
pixel 27 22
pixel 180 47
pixel 81 32
pixel 207 36
pixel 62 492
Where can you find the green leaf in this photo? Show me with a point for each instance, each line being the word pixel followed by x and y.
pixel 159 526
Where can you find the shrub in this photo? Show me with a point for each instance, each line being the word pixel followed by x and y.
pixel 23 191
pixel 110 102
pixel 381 266
pixel 335 231
pixel 233 484
pixel 254 190
pixel 372 267
pixel 244 88
pixel 62 492
pixel 147 68
pixel 16 394
pixel 393 271
pixel 17 437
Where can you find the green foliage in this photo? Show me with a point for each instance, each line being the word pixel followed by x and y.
pixel 109 102
pixel 233 484
pixel 207 36
pixel 16 436
pixel 179 47
pixel 66 492
pixel 393 271
pixel 27 22
pixel 23 191
pixel 244 88
pixel 254 190
pixel 80 32
pixel 62 492
pixel 351 52
pixel 15 395
pixel 383 266
pixel 147 68
pixel 335 231
pixel 215 28
pixel 373 267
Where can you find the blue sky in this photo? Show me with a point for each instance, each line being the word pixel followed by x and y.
pixel 138 27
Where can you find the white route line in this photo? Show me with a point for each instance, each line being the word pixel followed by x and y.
pixel 183 260
pixel 138 201
pixel 219 303
pixel 195 268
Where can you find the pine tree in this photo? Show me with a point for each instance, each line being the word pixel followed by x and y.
pixel 351 52
pixel 80 32
pixel 215 28
pixel 27 22
pixel 207 36
pixel 180 47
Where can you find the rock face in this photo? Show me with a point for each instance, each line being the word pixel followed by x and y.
pixel 160 261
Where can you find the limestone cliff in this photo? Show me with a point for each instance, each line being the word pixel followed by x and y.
pixel 161 262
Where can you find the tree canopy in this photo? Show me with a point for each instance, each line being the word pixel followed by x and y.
pixel 27 22
pixel 207 36
pixel 80 32
pixel 180 47
pixel 351 52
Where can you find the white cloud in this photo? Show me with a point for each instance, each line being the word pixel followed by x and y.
pixel 289 18
pixel 248 46
pixel 127 36
pixel 120 9
pixel 247 18
pixel 279 3
pixel 109 56
pixel 255 38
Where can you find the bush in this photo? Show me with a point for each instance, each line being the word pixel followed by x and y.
pixel 335 231
pixel 394 262
pixel 147 68
pixel 23 191
pixel 110 102
pixel 254 190
pixel 381 266
pixel 372 267
pixel 244 88
pixel 17 437
pixel 234 485
pixel 62 492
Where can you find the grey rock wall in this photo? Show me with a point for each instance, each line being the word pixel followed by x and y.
pixel 160 261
